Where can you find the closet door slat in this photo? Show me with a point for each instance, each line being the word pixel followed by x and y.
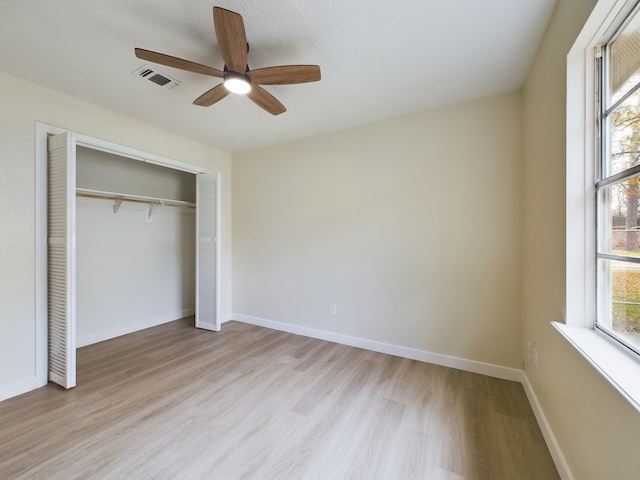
pixel 61 188
pixel 207 251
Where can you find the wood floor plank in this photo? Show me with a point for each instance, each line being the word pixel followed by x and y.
pixel 252 403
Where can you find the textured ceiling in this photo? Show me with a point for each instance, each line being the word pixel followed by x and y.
pixel 379 59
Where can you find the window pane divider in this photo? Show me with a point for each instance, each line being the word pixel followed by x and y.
pixel 622 99
pixel 618 177
pixel 621 258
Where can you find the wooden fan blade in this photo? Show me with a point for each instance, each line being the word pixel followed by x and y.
pixel 232 38
pixel 212 96
pixel 176 62
pixel 265 100
pixel 285 75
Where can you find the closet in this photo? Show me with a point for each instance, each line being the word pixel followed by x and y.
pixel 131 244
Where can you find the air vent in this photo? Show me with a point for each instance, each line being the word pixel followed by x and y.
pixel 159 78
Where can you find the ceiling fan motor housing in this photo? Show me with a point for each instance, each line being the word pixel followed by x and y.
pixel 236 82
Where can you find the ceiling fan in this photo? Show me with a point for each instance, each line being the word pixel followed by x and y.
pixel 236 75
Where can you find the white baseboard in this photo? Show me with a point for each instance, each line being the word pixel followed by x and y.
pixel 226 317
pixel 397 350
pixel 84 340
pixel 18 388
pixel 547 433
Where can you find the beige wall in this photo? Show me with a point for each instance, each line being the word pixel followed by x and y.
pixel 23 104
pixel 595 427
pixel 410 226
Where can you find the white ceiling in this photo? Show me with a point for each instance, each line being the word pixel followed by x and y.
pixel 379 59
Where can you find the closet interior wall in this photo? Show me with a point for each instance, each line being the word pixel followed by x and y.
pixel 135 263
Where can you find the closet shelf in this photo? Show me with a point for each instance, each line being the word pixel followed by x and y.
pixel 118 198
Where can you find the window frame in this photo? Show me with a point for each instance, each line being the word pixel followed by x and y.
pixel 604 107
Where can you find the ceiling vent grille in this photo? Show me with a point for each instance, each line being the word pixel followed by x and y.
pixel 154 76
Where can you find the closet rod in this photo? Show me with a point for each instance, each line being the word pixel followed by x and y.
pixel 119 197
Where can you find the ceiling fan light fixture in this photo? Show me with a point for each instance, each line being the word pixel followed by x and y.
pixel 237 83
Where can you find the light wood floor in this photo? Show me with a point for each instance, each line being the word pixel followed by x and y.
pixel 173 402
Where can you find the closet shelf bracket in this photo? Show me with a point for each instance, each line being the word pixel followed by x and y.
pixel 150 212
pixel 116 205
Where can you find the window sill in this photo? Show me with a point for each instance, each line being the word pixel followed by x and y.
pixel 620 369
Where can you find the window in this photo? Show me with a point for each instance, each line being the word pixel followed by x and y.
pixel 589 324
pixel 617 182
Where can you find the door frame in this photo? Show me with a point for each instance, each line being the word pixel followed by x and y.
pixel 42 131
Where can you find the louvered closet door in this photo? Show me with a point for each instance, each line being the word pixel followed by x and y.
pixel 61 252
pixel 207 251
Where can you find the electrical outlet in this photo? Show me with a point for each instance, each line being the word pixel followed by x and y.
pixel 332 309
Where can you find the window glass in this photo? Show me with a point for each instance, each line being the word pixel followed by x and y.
pixel 624 131
pixel 619 305
pixel 618 218
pixel 624 60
